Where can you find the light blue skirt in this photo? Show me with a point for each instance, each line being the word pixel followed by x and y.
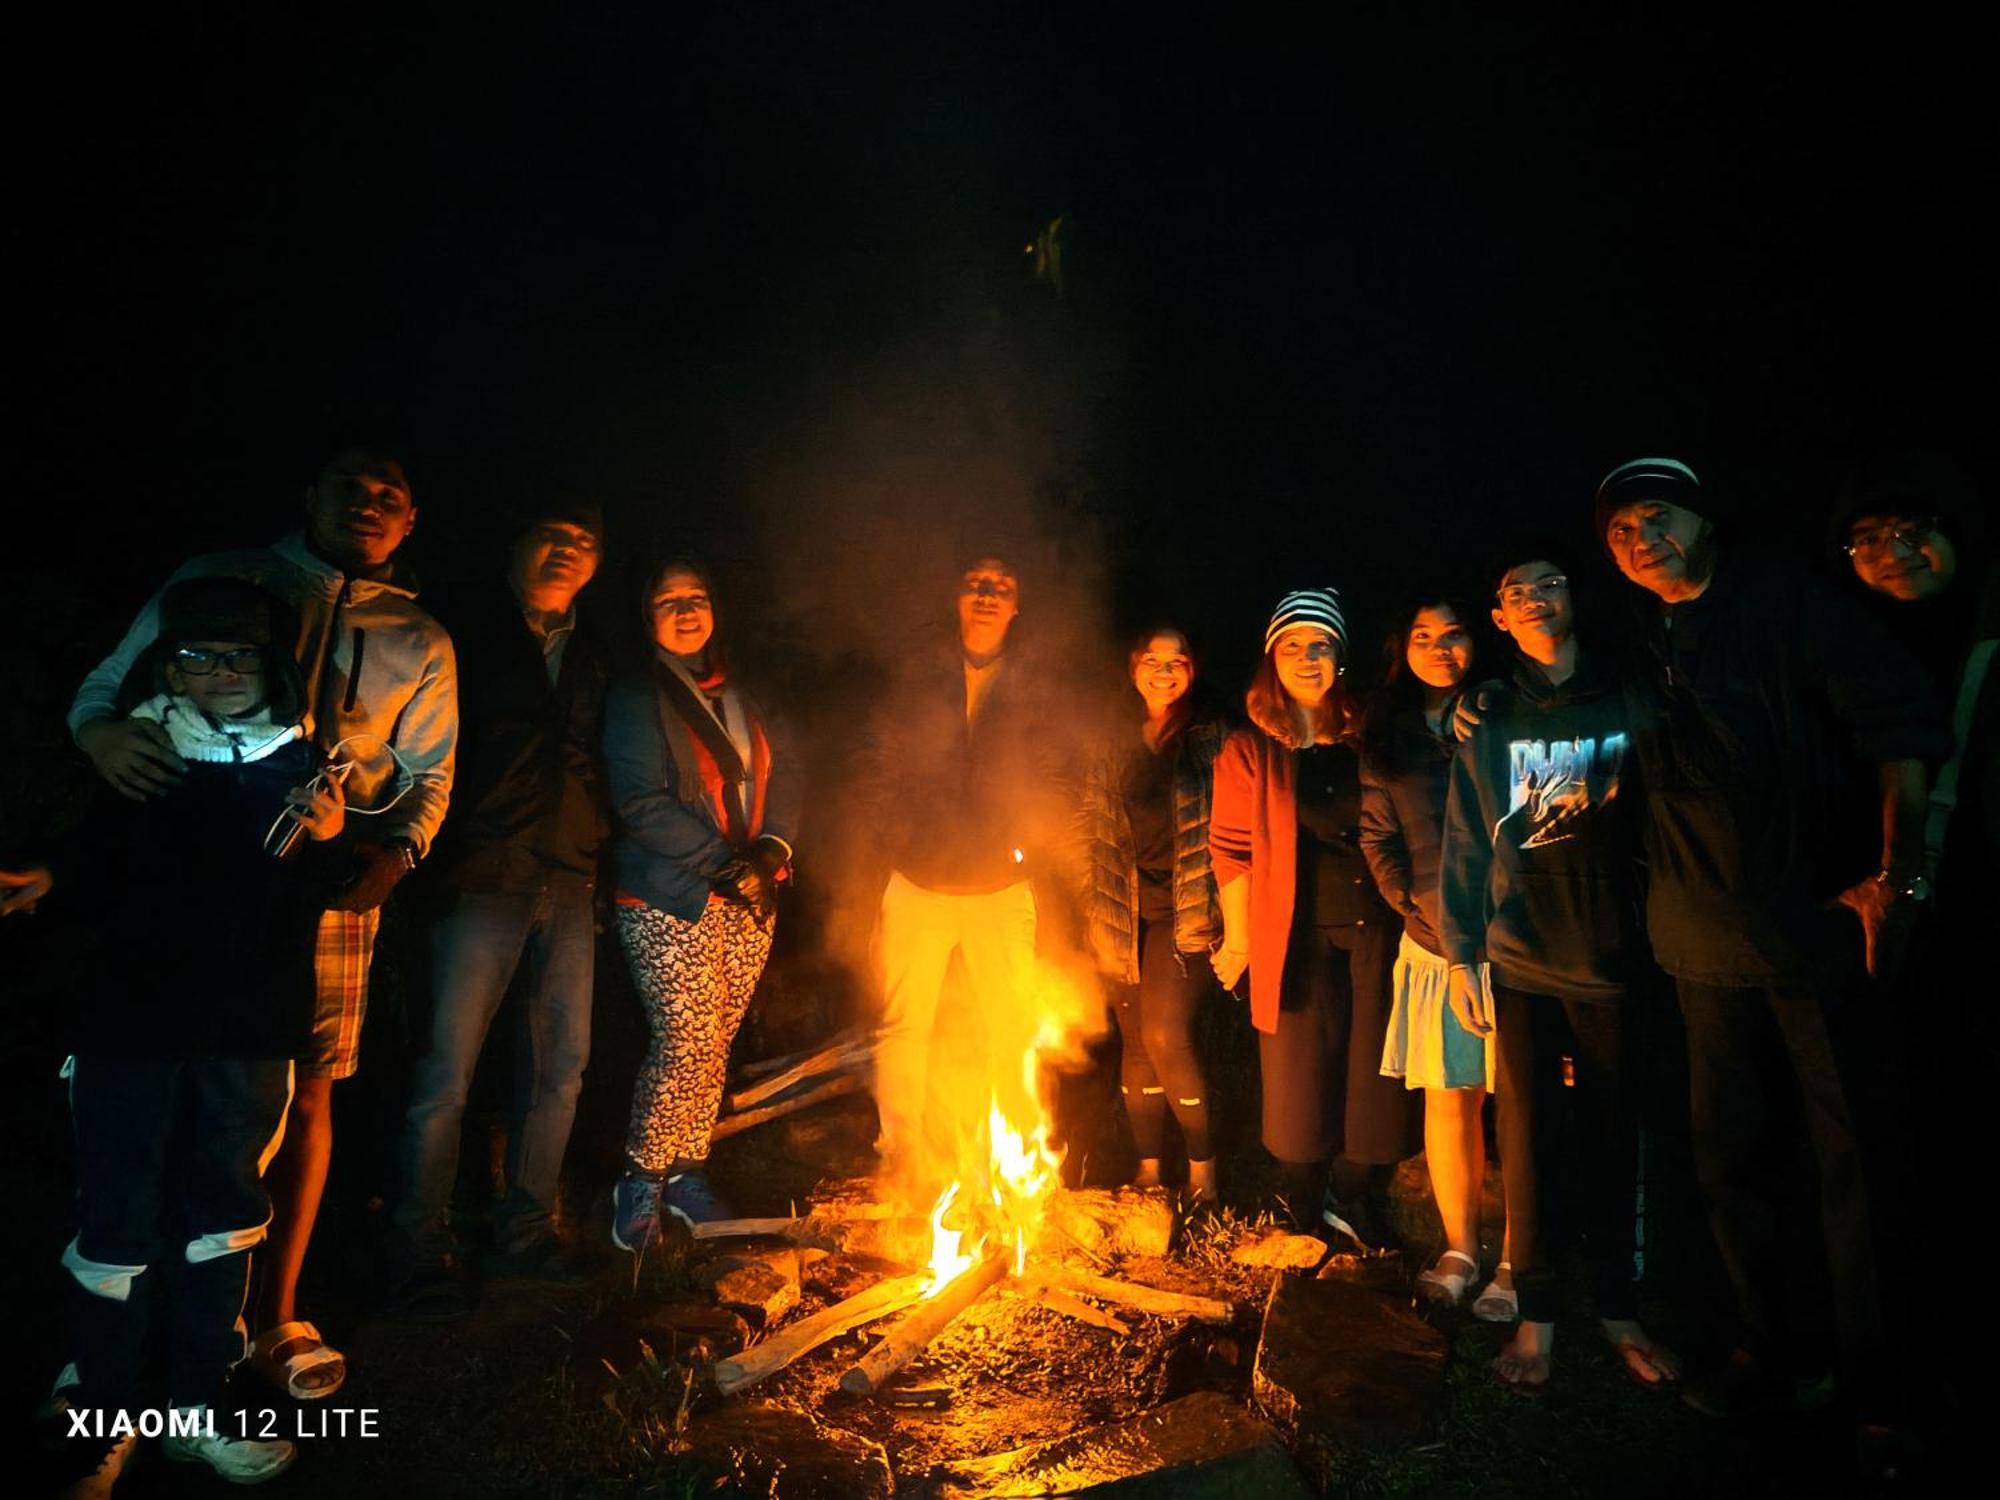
pixel 1426 1047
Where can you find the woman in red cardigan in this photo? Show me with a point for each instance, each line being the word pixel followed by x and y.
pixel 1302 915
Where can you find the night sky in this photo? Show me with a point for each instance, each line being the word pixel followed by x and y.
pixel 1340 301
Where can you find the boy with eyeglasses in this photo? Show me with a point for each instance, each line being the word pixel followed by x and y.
pixel 1539 877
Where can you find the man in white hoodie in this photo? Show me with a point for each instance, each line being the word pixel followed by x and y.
pixel 378 670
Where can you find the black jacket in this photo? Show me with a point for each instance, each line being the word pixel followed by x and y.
pixel 529 794
pixel 1538 873
pixel 1402 829
pixel 966 806
pixel 1764 707
pixel 206 940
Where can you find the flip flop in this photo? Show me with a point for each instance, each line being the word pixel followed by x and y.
pixel 1496 1303
pixel 311 1355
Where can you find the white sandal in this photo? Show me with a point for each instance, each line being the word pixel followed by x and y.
pixel 285 1373
pixel 1445 1288
pixel 1496 1303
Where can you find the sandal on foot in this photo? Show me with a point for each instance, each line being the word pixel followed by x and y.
pixel 1443 1286
pixel 293 1371
pixel 1496 1303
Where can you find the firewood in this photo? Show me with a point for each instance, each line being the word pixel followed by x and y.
pixel 766 1066
pixel 743 1229
pixel 921 1324
pixel 826 1062
pixel 1070 1307
pixel 774 1353
pixel 1144 1299
pixel 833 1089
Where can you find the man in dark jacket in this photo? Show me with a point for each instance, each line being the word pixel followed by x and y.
pixel 957 778
pixel 1784 765
pixel 516 867
pixel 1538 876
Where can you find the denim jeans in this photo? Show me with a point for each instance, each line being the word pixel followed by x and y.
pixel 475 951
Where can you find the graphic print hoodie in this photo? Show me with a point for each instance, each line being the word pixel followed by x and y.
pixel 1539 873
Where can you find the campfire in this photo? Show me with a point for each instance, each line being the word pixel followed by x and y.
pixel 1001 1223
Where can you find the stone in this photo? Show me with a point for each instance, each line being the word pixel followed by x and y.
pixel 1124 1221
pixel 761 1291
pixel 1346 1360
pixel 755 1448
pixel 1201 1446
pixel 1280 1250
pixel 685 1329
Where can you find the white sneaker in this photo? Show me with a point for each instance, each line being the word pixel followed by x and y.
pixel 96 1485
pixel 238 1460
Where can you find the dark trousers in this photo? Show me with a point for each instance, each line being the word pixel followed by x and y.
pixel 170 1155
pixel 1569 1155
pixel 1156 1029
pixel 1756 1059
pixel 1323 1086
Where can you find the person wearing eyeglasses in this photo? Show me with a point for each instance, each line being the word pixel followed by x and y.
pixel 1538 878
pixel 377 667
pixel 1907 541
pixel 1784 755
pixel 183 1040
pixel 1301 915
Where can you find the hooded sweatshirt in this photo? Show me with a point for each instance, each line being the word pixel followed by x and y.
pixel 1538 874
pixel 375 664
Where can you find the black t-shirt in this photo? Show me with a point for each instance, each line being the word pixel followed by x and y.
pixel 1334 889
pixel 1149 807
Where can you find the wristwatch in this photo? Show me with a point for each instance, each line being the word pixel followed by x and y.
pixel 406 851
pixel 1916 888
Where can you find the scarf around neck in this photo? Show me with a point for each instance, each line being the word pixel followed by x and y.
pixel 211 741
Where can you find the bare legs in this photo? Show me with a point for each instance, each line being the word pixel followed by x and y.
pixel 1455 1150
pixel 296 1179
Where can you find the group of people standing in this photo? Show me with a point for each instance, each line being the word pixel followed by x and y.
pixel 1466 886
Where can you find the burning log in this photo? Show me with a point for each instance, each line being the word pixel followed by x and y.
pixel 833 1089
pixel 908 1338
pixel 843 1057
pixel 773 1354
pixel 1130 1294
pixel 1070 1307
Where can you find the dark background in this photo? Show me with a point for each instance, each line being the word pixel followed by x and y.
pixel 1340 297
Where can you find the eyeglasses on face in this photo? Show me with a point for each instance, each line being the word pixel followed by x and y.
pixel 196 662
pixel 1871 541
pixel 1516 594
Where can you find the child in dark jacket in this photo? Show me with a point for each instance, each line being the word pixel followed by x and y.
pixel 182 1069
pixel 1538 876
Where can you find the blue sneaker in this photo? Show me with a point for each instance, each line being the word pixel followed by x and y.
pixel 635 1210
pixel 690 1199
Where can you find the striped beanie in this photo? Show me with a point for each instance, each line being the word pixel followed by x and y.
pixel 1647 479
pixel 1316 607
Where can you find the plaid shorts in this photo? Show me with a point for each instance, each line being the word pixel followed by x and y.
pixel 341 955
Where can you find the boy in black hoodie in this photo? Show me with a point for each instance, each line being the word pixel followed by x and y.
pixel 1538 877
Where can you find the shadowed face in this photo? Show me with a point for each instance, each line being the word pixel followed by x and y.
pixel 683 614
pixel 1163 671
pixel 1439 649
pixel 222 678
pixel 1905 557
pixel 1308 662
pixel 358 511
pixel 553 561
pixel 1655 544
pixel 988 600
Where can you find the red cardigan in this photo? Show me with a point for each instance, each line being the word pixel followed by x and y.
pixel 1253 834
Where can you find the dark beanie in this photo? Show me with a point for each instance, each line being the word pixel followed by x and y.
pixel 223 609
pixel 1649 479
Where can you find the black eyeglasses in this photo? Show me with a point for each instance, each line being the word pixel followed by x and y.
pixel 199 663
pixel 1871 540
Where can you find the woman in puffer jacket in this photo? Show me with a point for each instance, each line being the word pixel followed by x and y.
pixel 1149 900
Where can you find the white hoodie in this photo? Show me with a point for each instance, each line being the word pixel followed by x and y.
pixel 374 663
